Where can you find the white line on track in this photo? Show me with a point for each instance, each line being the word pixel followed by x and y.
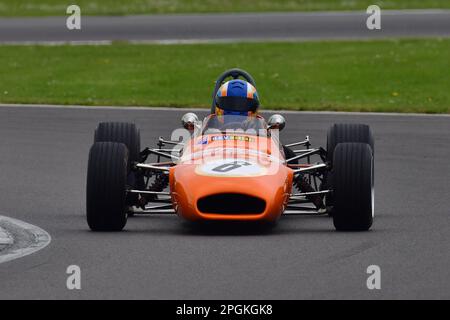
pixel 40 239
pixel 148 108
pixel 5 237
pixel 58 43
pixel 170 42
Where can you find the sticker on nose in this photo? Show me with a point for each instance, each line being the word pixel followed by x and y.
pixel 230 168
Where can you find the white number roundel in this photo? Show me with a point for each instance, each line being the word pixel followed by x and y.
pixel 230 168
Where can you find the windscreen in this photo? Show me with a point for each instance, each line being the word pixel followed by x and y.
pixel 252 125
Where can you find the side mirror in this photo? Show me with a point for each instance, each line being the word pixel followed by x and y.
pixel 189 120
pixel 276 121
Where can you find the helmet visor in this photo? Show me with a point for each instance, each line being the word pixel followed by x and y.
pixel 239 104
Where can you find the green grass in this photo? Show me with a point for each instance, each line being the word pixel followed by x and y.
pixel 400 76
pixel 124 7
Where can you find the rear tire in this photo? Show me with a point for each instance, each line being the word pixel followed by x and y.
pixel 128 134
pixel 289 153
pixel 344 133
pixel 348 132
pixel 353 187
pixel 121 132
pixel 106 186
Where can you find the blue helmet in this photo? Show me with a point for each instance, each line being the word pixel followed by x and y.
pixel 237 97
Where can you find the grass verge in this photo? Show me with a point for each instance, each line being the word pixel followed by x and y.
pixel 121 7
pixel 387 76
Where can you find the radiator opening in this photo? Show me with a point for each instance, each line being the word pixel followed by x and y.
pixel 231 203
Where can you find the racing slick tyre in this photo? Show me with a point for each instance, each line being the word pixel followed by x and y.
pixel 128 134
pixel 106 186
pixel 289 153
pixel 342 133
pixel 121 132
pixel 348 132
pixel 353 187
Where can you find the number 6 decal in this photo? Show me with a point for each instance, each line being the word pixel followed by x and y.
pixel 227 167
pixel 230 168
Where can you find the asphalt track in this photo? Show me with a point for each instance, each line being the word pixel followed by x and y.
pixel 228 27
pixel 43 155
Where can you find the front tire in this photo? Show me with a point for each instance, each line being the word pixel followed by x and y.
pixel 353 187
pixel 128 134
pixel 106 186
pixel 344 133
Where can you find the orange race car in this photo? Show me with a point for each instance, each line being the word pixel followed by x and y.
pixel 231 166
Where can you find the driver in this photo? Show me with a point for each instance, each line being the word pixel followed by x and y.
pixel 237 97
pixel 240 98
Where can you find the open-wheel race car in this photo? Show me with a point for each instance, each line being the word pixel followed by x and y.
pixel 231 167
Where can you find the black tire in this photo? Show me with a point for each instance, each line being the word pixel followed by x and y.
pixel 348 132
pixel 344 133
pixel 353 186
pixel 106 186
pixel 289 153
pixel 128 134
pixel 121 132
